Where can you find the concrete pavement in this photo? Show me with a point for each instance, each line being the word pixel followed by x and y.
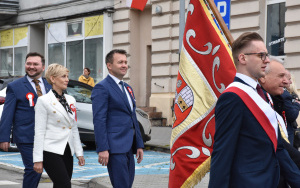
pixel 160 141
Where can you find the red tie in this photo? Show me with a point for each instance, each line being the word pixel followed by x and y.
pixel 260 92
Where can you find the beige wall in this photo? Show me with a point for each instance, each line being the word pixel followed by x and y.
pixel 132 32
pixel 246 15
pixel 292 35
pixel 250 15
pixel 141 32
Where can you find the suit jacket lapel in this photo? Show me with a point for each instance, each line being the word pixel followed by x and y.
pixel 130 94
pixel 59 108
pixel 119 91
pixel 237 79
pixel 30 88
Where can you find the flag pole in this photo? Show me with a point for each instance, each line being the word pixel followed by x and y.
pixel 220 21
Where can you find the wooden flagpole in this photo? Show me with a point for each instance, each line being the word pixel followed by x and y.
pixel 220 21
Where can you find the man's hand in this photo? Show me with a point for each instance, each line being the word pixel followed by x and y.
pixel 139 155
pixel 81 161
pixel 38 167
pixel 4 146
pixel 103 157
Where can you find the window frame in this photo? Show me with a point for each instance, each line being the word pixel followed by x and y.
pixel 16 46
pixel 73 39
pixel 271 2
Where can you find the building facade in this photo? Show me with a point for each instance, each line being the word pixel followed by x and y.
pixel 79 33
pixel 74 33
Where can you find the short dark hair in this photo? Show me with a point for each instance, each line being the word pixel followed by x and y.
pixel 88 70
pixel 32 54
pixel 243 42
pixel 110 56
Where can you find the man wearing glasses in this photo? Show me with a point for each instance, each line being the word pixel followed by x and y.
pixel 248 149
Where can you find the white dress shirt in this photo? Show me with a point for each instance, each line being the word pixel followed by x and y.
pixel 41 83
pixel 117 80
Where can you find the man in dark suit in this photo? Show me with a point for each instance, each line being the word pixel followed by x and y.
pixel 274 82
pixel 291 109
pixel 18 114
pixel 117 131
pixel 248 149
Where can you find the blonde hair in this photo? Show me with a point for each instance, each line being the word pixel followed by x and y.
pixel 293 88
pixel 55 70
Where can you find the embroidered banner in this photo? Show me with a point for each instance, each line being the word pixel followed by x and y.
pixel 206 68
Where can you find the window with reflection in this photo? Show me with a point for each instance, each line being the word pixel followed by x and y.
pixel 6 64
pixel 56 53
pixel 94 57
pixel 20 55
pixel 275 27
pixel 80 93
pixel 74 29
pixel 77 44
pixel 75 59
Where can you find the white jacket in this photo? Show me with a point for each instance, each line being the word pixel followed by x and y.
pixel 54 127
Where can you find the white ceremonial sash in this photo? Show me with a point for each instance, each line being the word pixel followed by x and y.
pixel 261 103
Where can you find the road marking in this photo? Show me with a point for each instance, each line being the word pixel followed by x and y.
pixel 5 182
pixel 9 154
pixel 11 165
pixel 151 165
pixel 90 177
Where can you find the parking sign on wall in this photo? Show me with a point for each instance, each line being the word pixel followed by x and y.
pixel 224 9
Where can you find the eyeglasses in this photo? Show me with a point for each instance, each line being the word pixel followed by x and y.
pixel 263 55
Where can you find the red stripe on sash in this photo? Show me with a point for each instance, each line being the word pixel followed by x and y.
pixel 257 112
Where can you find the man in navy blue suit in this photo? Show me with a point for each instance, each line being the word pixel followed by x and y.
pixel 18 114
pixel 116 128
pixel 248 149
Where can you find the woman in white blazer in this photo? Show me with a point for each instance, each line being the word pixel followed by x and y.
pixel 56 136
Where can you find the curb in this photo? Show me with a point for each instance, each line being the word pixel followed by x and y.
pixel 154 147
pixel 44 178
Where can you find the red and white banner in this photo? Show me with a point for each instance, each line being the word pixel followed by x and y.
pixel 206 68
pixel 137 4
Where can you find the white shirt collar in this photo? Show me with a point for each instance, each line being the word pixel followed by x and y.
pixel 117 80
pixel 30 79
pixel 248 80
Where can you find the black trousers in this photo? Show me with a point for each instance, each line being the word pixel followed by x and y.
pixel 59 168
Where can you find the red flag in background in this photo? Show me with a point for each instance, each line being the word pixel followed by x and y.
pixel 137 4
pixel 206 68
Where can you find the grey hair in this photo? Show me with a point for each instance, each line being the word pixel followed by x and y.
pixel 273 58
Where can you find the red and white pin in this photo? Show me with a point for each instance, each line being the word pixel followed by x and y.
pixel 30 97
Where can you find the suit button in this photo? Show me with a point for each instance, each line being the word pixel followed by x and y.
pixel 70 127
pixel 54 103
pixel 54 112
pixel 58 121
pixel 63 127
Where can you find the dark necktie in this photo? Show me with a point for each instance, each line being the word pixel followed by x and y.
pixel 260 92
pixel 38 88
pixel 124 93
pixel 122 84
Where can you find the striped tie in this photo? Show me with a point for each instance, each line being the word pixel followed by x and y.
pixel 38 88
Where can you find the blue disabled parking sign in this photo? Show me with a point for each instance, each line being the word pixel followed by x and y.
pixel 224 9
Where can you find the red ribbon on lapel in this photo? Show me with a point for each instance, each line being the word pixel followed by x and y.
pixel 73 108
pixel 130 91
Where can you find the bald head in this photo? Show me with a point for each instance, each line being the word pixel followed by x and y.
pixel 275 79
